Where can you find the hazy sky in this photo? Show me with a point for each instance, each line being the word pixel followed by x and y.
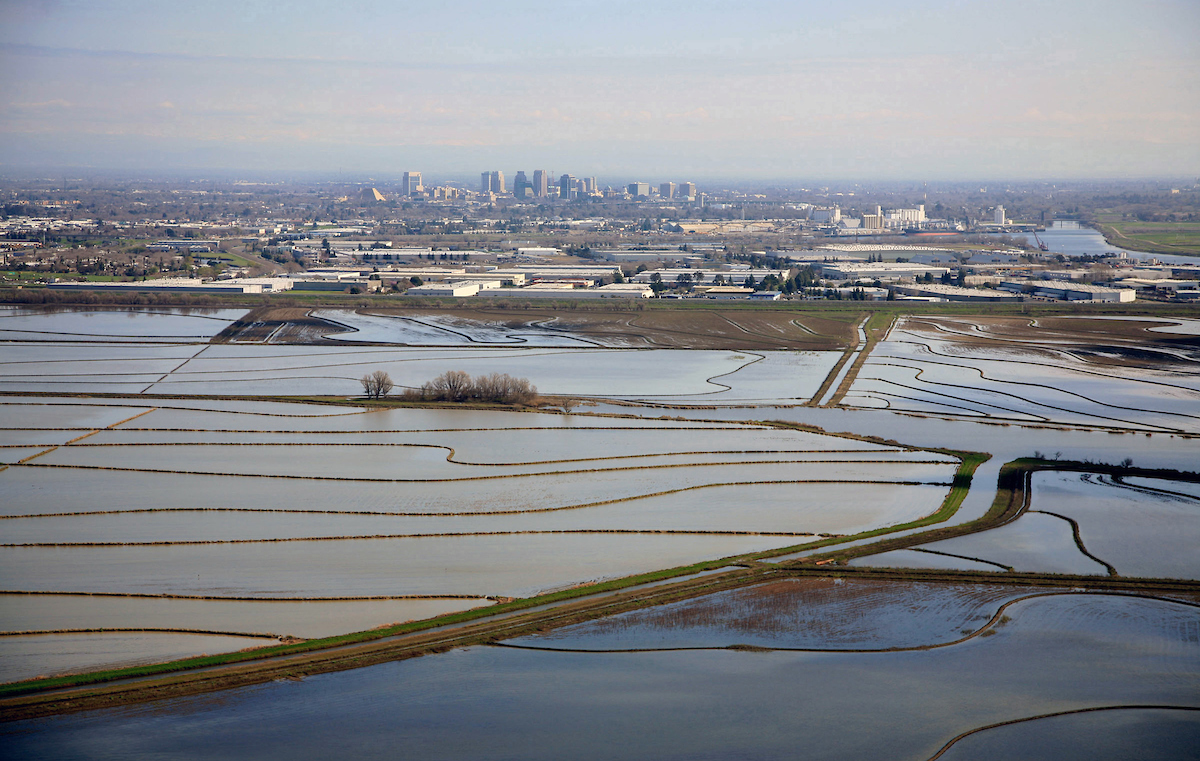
pixel 943 89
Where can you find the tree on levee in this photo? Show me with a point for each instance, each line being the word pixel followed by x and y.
pixel 377 384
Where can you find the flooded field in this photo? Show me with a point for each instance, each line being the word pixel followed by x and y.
pixel 1033 542
pixel 216 369
pixel 194 525
pixel 252 500
pixel 1054 654
pixel 172 325
pixel 1110 373
pixel 1148 527
pixel 29 656
pixel 281 618
pixel 800 613
pixel 622 326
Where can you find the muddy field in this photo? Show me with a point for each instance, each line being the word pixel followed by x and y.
pixel 1113 341
pixel 676 329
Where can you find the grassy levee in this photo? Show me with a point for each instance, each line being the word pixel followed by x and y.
pixel 1012 499
pixel 1009 503
pixel 875 329
pixel 46 696
pixel 970 461
pixel 42 697
pixel 363 637
pixel 849 355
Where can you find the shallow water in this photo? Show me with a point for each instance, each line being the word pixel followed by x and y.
pixel 821 614
pixel 786 508
pixel 442 330
pixel 513 565
pixel 1141 533
pixel 217 369
pixel 918 559
pixel 916 368
pixel 430 462
pixel 28 656
pixel 1055 654
pixel 49 414
pixel 109 325
pixel 1033 542
pixel 39 490
pixel 1123 734
pixel 284 618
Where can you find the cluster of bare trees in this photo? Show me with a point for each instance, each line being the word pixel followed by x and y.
pixel 457 386
pixel 376 385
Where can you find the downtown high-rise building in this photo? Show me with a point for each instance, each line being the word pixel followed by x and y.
pixel 667 190
pixel 687 191
pixel 541 183
pixel 566 187
pixel 638 189
pixel 410 184
pixel 522 187
pixel 491 182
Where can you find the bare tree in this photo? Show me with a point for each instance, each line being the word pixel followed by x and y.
pixel 457 386
pixel 377 384
pixel 452 385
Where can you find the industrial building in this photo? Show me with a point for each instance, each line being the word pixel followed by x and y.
pixel 955 293
pixel 878 270
pixel 458 288
pixel 1069 291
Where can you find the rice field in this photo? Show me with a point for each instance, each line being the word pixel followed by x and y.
pixel 1041 374
pixel 209 517
pixel 710 376
pixel 1045 656
pixel 168 325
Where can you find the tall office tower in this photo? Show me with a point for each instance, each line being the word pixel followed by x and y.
pixel 688 190
pixel 495 182
pixel 590 187
pixel 410 184
pixel 566 187
pixel 638 189
pixel 667 190
pixel 522 187
pixel 541 183
pixel 1000 218
pixel 485 182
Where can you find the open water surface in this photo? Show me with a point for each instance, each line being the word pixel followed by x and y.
pixel 1055 654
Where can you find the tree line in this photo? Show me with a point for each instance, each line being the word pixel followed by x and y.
pixel 457 386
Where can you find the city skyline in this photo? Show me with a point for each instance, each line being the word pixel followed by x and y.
pixel 767 91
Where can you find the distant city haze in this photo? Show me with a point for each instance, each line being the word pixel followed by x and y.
pixel 624 91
